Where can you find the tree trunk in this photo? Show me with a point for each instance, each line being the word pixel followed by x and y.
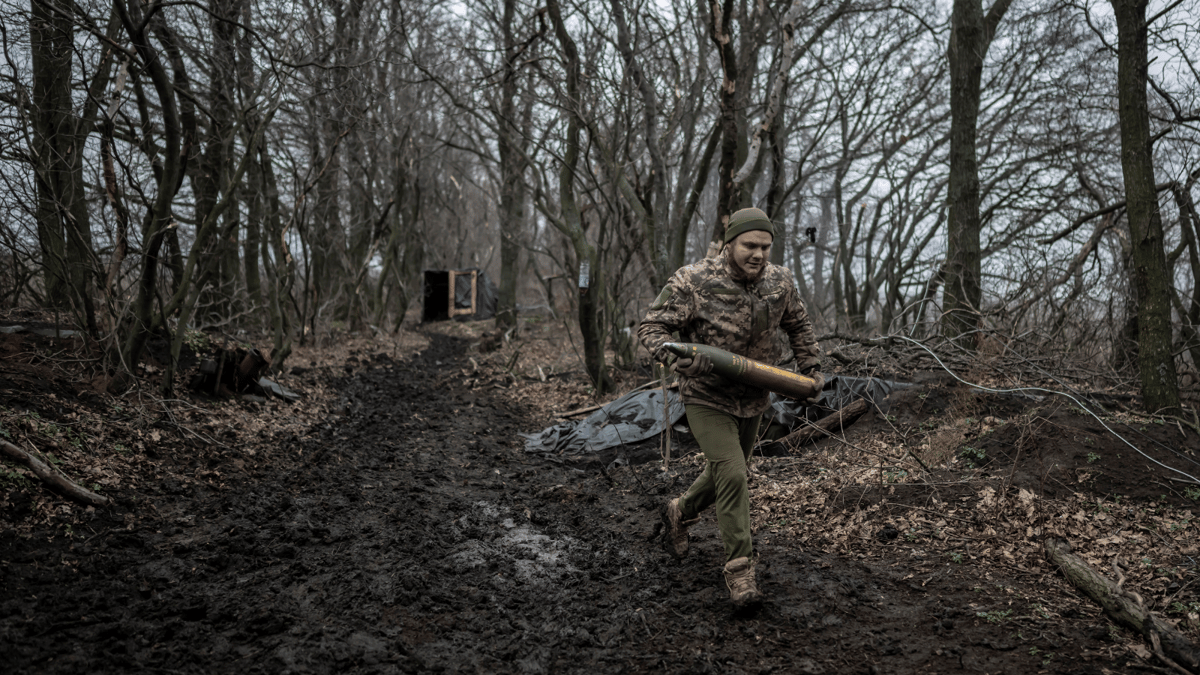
pixel 970 36
pixel 729 193
pixel 1151 276
pixel 63 225
pixel 570 221
pixel 253 240
pixel 653 208
pixel 775 192
pixel 212 169
pixel 158 216
pixel 277 260
pixel 512 180
pixel 255 197
pixel 1189 224
pixel 329 238
pixel 50 37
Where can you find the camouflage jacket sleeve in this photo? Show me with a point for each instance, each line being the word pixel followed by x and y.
pixel 669 314
pixel 796 324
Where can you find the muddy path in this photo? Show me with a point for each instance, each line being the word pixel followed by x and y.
pixel 412 533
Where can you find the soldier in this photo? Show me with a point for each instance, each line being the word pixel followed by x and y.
pixel 734 301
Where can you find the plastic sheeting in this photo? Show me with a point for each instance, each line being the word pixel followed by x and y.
pixel 486 295
pixel 633 417
pixel 838 393
pixel 639 415
pixel 273 387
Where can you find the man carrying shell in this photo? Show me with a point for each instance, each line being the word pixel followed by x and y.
pixel 735 301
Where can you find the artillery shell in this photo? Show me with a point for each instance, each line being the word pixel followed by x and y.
pixel 748 371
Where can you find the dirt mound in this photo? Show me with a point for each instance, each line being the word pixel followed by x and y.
pixel 393 522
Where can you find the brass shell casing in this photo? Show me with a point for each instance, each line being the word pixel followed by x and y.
pixel 748 371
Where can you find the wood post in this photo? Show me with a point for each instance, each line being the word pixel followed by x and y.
pixel 452 310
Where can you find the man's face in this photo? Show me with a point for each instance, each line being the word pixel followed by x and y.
pixel 751 251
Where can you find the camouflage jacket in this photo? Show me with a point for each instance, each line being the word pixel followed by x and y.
pixel 709 302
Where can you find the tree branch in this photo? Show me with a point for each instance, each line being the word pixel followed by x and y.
pixel 55 481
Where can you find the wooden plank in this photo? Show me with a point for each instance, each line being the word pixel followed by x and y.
pixel 455 311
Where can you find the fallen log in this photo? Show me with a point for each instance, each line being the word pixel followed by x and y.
pixel 55 481
pixel 824 427
pixel 1125 608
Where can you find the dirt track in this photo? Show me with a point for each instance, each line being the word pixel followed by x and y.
pixel 414 534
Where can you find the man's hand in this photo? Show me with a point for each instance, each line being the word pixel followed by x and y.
pixel 662 355
pixel 817 377
pixel 693 366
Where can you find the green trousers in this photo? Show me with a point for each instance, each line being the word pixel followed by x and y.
pixel 726 442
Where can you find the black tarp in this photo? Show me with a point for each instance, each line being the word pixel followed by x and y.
pixel 639 415
pixel 435 293
pixel 633 417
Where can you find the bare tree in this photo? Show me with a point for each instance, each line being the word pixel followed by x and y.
pixel 569 219
pixel 1151 276
pixel 63 220
pixel 971 35
pixel 204 162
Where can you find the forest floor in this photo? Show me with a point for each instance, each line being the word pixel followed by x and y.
pixel 392 521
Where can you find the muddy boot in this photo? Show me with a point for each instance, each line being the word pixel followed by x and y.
pixel 675 534
pixel 739 576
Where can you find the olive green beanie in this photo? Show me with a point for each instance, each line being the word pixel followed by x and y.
pixel 746 220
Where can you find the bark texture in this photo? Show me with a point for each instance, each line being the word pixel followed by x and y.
pixel 1125 608
pixel 970 36
pixel 1160 389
